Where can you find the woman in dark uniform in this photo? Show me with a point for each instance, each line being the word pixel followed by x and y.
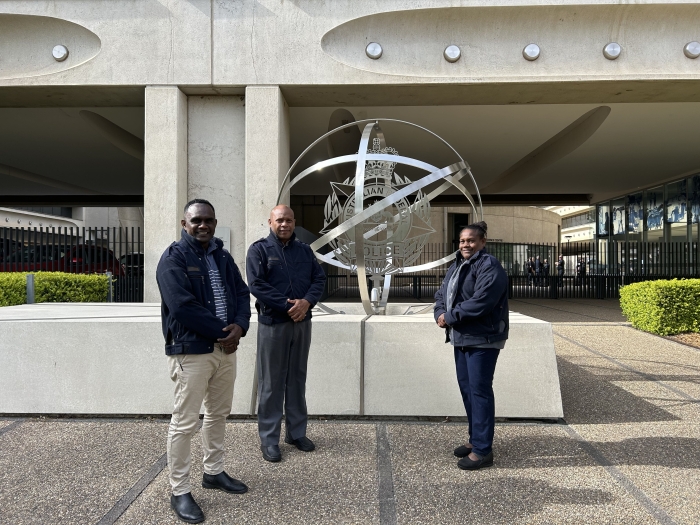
pixel 472 306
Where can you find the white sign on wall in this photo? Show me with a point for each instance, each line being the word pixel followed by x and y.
pixel 224 233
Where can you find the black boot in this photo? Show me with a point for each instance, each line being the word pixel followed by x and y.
pixel 223 481
pixel 186 508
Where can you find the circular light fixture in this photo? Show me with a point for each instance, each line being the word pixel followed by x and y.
pixel 60 53
pixel 612 51
pixel 374 50
pixel 452 53
pixel 531 52
pixel 692 49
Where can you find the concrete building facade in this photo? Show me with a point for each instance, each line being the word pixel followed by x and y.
pixel 214 97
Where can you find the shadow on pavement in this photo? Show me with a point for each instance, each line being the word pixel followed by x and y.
pixel 506 499
pixel 554 451
pixel 594 399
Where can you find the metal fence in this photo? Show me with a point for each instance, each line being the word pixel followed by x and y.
pixel 589 270
pixel 78 250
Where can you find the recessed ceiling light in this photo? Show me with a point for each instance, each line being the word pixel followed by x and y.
pixel 692 49
pixel 531 52
pixel 374 50
pixel 612 51
pixel 60 53
pixel 452 53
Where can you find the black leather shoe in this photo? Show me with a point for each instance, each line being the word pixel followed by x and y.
pixel 463 451
pixel 186 508
pixel 469 464
pixel 223 481
pixel 271 453
pixel 303 443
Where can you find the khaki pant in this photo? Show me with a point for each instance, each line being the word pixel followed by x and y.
pixel 198 378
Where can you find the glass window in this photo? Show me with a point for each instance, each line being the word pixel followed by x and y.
pixel 618 217
pixel 635 217
pixel 676 203
pixel 655 208
pixel 604 219
pixel 694 203
pixel 587 217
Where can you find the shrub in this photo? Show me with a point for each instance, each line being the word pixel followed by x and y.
pixel 663 307
pixel 13 289
pixel 53 287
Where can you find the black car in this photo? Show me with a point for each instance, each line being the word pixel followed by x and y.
pixel 132 264
pixel 7 248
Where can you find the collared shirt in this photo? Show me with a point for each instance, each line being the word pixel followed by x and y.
pixel 216 284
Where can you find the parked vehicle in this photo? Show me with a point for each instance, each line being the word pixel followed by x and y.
pixel 132 264
pixel 7 248
pixel 87 258
pixel 83 258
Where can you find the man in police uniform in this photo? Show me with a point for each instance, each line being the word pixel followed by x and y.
pixel 205 311
pixel 287 281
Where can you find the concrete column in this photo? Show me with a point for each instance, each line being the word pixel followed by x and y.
pixel 266 155
pixel 165 176
pixel 216 164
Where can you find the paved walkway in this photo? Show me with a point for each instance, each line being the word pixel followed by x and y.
pixel 629 452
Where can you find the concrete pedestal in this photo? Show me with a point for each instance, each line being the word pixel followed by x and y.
pixel 109 359
pixel 409 370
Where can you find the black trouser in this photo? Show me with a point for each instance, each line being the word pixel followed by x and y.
pixel 475 368
pixel 283 354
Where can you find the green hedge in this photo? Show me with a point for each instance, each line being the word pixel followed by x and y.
pixel 663 307
pixel 53 287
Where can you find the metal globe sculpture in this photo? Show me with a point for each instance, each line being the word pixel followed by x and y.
pixel 377 222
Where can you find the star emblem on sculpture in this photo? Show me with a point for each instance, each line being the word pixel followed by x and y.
pixel 395 235
pixel 377 223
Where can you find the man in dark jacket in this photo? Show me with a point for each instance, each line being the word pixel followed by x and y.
pixel 561 267
pixel 287 281
pixel 530 270
pixel 205 311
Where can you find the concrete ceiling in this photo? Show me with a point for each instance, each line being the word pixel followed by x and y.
pixel 637 146
pixel 59 144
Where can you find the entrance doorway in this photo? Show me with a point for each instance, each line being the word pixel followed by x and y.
pixel 459 221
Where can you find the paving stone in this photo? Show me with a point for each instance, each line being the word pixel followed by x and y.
pixel 569 310
pixel 5 423
pixel 662 460
pixel 72 471
pixel 649 433
pixel 337 483
pixel 644 352
pixel 540 476
pixel 592 393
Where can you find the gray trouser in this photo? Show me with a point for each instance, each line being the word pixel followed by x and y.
pixel 283 352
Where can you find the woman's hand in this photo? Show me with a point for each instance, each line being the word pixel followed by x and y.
pixel 441 321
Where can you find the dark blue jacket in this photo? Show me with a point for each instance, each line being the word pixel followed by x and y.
pixel 277 272
pixel 481 302
pixel 188 312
